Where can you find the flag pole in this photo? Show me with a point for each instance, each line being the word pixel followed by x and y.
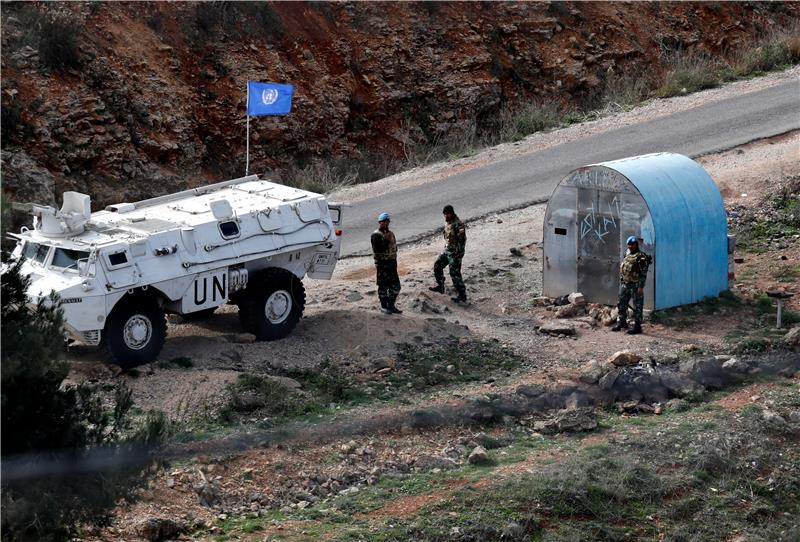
pixel 247 112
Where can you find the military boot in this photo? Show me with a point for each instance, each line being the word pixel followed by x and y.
pixel 385 306
pixel 439 288
pixel 392 307
pixel 636 329
pixel 621 324
pixel 461 297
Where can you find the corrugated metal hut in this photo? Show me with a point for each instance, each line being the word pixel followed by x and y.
pixel 668 201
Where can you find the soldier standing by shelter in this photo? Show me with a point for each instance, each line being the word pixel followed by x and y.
pixel 384 249
pixel 633 275
pixel 455 237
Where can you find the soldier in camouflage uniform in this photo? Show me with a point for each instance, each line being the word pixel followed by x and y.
pixel 384 249
pixel 455 237
pixel 633 275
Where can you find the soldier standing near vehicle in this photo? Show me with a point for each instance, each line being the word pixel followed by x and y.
pixel 384 249
pixel 455 237
pixel 633 275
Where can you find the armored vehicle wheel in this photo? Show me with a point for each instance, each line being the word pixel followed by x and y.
pixel 135 332
pixel 273 305
pixel 198 316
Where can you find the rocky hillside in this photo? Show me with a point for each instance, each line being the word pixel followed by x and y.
pixel 130 100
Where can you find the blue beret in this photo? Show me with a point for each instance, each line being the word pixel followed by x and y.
pixel 383 216
pixel 632 239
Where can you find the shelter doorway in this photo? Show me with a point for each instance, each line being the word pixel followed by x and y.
pixel 598 244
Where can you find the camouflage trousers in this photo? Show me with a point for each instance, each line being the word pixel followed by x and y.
pixel 388 279
pixel 628 291
pixel 453 262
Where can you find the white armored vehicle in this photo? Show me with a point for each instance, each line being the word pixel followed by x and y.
pixel 247 242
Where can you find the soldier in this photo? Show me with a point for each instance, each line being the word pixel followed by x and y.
pixel 384 249
pixel 455 237
pixel 633 275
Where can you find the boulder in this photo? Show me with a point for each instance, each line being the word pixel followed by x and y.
pixel 680 385
pixel 608 380
pixel 576 298
pixel 577 400
pixel 157 529
pixel 792 339
pixel 593 371
pixel 581 419
pixel 773 419
pixel 736 365
pixel 677 405
pixel 568 311
pixel 624 358
pixel 208 494
pixel 479 456
pixel 530 390
pixel 557 328
pixel 706 371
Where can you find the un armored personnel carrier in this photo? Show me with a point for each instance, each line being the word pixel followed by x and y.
pixel 247 241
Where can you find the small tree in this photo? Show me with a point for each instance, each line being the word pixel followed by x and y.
pixel 45 422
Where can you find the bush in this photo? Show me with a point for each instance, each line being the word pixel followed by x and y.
pixel 624 90
pixel 521 121
pixel 58 44
pixel 322 177
pixel 252 393
pixel 690 73
pixel 779 50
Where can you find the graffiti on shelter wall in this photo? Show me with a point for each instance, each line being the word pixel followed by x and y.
pixel 599 223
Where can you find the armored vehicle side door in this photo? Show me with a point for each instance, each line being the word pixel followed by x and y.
pixel 325 256
pixel 121 269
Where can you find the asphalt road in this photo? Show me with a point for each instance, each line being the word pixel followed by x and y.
pixel 512 183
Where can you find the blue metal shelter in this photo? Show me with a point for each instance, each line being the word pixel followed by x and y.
pixel 666 200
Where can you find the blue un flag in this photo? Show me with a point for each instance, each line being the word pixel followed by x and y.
pixel 268 99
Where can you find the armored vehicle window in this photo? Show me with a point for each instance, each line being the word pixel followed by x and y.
pixel 67 258
pixel 229 229
pixel 118 258
pixel 35 251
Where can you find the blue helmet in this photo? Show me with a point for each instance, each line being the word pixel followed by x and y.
pixel 632 239
pixel 383 216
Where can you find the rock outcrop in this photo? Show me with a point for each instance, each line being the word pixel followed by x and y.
pixel 153 98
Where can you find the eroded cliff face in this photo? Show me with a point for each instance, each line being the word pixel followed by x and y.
pixel 154 100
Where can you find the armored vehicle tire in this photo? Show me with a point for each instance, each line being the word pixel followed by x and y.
pixel 198 316
pixel 273 305
pixel 135 332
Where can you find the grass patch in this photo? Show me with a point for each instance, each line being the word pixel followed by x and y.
pixel 786 273
pixel 418 368
pixel 424 367
pixel 777 220
pixel 685 316
pixel 703 479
